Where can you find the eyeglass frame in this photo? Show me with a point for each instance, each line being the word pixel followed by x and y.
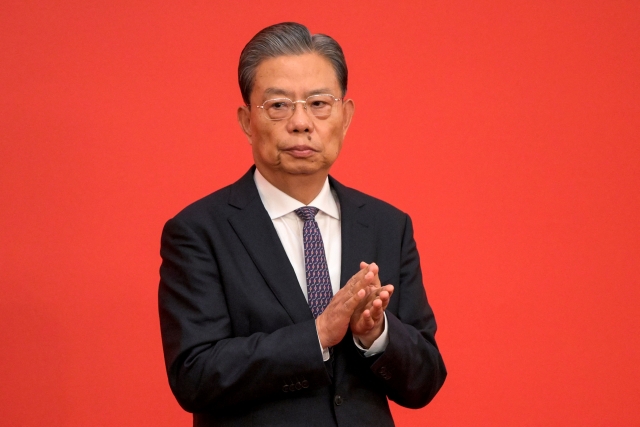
pixel 293 109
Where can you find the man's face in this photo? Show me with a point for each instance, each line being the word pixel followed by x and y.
pixel 302 144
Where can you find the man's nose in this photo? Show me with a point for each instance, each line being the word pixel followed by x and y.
pixel 301 120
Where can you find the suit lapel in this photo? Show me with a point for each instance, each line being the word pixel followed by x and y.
pixel 357 245
pixel 255 230
pixel 357 231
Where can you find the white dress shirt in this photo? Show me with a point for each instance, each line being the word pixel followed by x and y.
pixel 288 225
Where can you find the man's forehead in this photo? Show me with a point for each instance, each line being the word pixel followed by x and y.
pixel 278 91
pixel 295 75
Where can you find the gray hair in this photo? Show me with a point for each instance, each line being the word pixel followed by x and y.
pixel 287 38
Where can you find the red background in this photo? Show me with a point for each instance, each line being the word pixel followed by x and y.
pixel 509 132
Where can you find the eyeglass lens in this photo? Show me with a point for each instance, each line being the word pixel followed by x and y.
pixel 282 108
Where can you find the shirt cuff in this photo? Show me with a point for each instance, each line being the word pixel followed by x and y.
pixel 379 345
pixel 325 351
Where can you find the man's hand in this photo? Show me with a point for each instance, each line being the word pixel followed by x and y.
pixel 367 320
pixel 332 324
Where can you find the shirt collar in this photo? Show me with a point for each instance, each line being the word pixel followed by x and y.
pixel 278 203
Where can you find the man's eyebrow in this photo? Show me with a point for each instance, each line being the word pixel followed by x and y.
pixel 322 90
pixel 276 91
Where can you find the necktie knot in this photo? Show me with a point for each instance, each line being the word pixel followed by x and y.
pixel 306 213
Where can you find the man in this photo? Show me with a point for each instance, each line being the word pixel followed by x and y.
pixel 272 307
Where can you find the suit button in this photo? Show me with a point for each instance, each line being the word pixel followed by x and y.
pixel 305 384
pixel 337 400
pixel 298 385
pixel 285 388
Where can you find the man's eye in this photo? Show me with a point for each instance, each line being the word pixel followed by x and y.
pixel 318 104
pixel 278 106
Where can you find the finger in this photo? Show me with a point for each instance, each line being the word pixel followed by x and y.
pixel 389 290
pixel 351 304
pixel 373 267
pixel 376 310
pixel 358 276
pixel 353 285
pixel 375 294
pixel 365 304
pixel 375 282
pixel 371 280
pixel 367 320
pixel 371 291
pixel 362 323
pixel 367 272
pixel 385 296
pixel 379 299
pixel 362 280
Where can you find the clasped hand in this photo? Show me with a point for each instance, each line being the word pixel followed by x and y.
pixel 359 305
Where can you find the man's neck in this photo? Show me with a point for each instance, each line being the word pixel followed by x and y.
pixel 303 188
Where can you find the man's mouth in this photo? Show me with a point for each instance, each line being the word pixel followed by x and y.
pixel 300 151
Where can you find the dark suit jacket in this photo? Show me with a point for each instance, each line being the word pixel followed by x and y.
pixel 240 343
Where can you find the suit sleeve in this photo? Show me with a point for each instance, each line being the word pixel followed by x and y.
pixel 411 369
pixel 208 366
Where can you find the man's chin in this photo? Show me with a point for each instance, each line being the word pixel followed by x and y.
pixel 301 166
pixel 306 168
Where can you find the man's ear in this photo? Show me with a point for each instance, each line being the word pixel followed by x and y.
pixel 348 108
pixel 244 118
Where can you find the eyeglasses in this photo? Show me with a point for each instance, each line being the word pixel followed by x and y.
pixel 282 108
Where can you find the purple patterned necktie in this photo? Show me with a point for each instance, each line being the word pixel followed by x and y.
pixel 319 290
